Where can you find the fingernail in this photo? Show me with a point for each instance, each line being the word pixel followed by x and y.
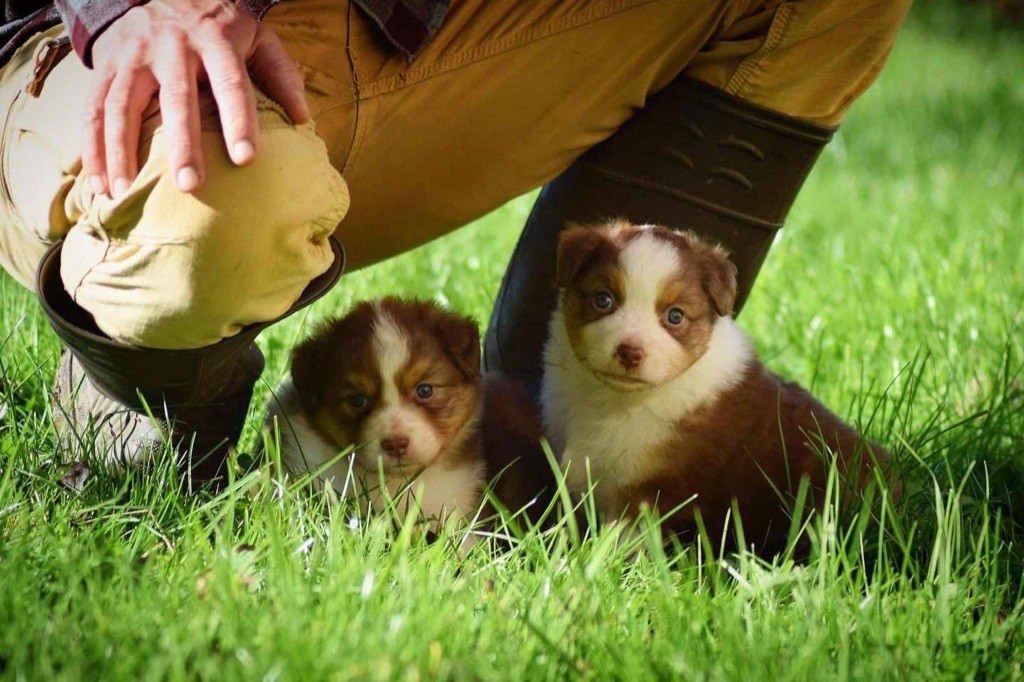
pixel 120 187
pixel 188 179
pixel 96 184
pixel 243 152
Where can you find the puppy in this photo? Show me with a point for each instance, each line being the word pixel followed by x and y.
pixel 653 394
pixel 400 383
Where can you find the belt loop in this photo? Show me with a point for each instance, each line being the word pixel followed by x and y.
pixel 47 57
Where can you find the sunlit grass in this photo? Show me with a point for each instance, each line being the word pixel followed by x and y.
pixel 895 293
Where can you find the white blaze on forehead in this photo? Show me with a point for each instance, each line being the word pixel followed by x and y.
pixel 648 263
pixel 393 416
pixel 391 347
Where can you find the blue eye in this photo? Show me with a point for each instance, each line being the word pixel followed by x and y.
pixel 674 317
pixel 603 300
pixel 424 391
pixel 358 401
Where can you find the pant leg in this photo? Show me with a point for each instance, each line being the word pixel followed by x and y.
pixel 810 59
pixel 30 220
pixel 660 167
pixel 504 99
pixel 159 268
pixel 508 95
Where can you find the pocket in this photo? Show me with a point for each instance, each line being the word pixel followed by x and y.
pixel 773 38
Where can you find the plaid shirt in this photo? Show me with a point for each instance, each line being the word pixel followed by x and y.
pixel 408 24
pixel 86 19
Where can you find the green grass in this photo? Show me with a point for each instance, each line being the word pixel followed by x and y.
pixel 895 293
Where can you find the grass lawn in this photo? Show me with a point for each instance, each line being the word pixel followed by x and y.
pixel 895 293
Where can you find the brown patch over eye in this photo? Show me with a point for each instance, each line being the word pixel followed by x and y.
pixel 357 395
pixel 683 306
pixel 431 367
pixel 434 383
pixel 598 291
pixel 710 266
pixel 580 302
pixel 331 367
pixel 691 331
pixel 445 356
pixel 684 293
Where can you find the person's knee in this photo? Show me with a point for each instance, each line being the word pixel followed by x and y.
pixel 164 269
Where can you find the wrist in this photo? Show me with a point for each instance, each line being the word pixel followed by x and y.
pixel 255 8
pixel 85 22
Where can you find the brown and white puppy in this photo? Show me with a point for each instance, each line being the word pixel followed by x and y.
pixel 399 381
pixel 653 394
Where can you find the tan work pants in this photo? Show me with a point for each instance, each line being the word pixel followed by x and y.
pixel 503 99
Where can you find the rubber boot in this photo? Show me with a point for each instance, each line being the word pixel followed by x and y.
pixel 694 158
pixel 129 403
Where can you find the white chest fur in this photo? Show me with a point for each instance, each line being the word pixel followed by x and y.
pixel 604 435
pixel 440 493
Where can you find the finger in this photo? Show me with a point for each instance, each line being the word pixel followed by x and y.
pixel 179 110
pixel 130 92
pixel 277 75
pixel 236 101
pixel 94 165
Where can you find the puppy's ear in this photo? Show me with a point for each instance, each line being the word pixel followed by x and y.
pixel 461 339
pixel 719 277
pixel 310 360
pixel 576 246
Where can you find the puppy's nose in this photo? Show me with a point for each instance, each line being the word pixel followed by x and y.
pixel 629 356
pixel 395 446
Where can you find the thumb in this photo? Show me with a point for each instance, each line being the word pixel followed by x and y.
pixel 276 74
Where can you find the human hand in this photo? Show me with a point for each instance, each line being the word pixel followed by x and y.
pixel 166 48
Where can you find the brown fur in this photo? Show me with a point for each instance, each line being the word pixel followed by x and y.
pixel 337 361
pixel 584 250
pixel 752 445
pixel 754 442
pixel 516 463
pixel 588 263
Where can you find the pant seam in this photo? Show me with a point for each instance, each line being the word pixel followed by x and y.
pixel 741 77
pixel 356 93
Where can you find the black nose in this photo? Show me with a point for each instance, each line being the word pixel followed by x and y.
pixel 629 356
pixel 395 446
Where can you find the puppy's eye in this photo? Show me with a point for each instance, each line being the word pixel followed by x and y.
pixel 674 317
pixel 358 401
pixel 603 300
pixel 424 391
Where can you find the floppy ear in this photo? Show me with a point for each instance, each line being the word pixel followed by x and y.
pixel 310 360
pixel 719 277
pixel 461 339
pixel 576 245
